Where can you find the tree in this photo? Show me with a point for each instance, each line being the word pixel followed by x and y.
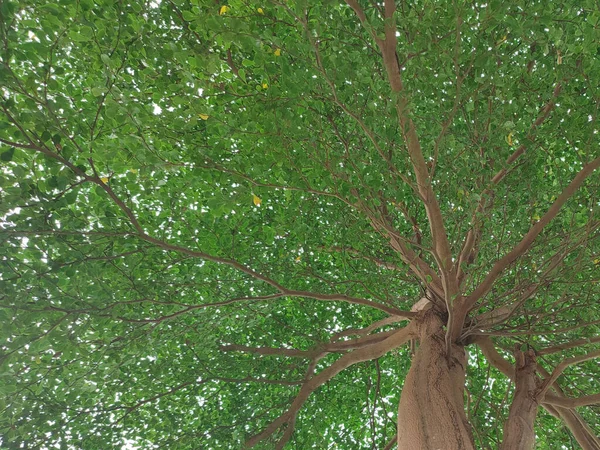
pixel 267 224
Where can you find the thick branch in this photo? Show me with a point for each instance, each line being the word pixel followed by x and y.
pixel 269 351
pixel 341 346
pixel 568 402
pixel 522 247
pixel 360 14
pixel 141 233
pixel 583 434
pixel 519 427
pixel 568 345
pixel 558 370
pixel 414 261
pixel 470 243
pixel 367 330
pixel 441 246
pixel 494 358
pixel 360 342
pixel 374 351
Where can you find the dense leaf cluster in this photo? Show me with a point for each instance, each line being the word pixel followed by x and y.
pixel 177 177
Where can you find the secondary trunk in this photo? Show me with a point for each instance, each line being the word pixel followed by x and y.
pixel 519 428
pixel 431 414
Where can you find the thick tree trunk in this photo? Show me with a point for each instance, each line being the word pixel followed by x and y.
pixel 431 414
pixel 519 431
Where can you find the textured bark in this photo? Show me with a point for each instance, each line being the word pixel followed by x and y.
pixel 431 414
pixel 519 431
pixel 582 432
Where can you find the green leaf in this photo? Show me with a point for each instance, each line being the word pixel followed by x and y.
pixel 193 191
pixel 98 91
pixel 7 155
pixel 189 16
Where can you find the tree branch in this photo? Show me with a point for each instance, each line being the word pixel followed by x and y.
pixel 321 349
pixel 390 445
pixel 522 247
pixel 414 261
pixel 269 351
pixel 441 245
pixel 572 402
pixel 519 427
pixel 467 303
pixel 362 17
pixel 583 434
pixel 374 351
pixel 142 234
pixel 558 370
pixel 568 345
pixel 367 330
pixel 474 233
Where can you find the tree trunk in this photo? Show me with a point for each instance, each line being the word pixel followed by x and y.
pixel 519 431
pixel 431 414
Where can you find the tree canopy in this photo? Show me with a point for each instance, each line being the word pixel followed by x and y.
pixel 216 217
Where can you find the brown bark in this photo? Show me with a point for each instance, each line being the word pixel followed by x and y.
pixel 519 431
pixel 582 432
pixel 431 414
pixel 584 435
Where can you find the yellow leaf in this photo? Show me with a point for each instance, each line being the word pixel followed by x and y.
pixel 256 200
pixel 536 217
pixel 265 85
pixel 260 11
pixel 133 170
pixel 597 261
pixel 223 9
pixel 509 139
pixel 277 52
pixel 104 179
pixel 203 116
pixel 298 259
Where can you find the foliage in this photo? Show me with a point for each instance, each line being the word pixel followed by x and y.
pixel 182 176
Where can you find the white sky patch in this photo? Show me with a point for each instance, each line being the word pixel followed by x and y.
pixel 32 36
